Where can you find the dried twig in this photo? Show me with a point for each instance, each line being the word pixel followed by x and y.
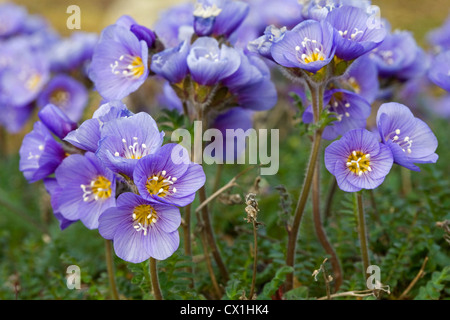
pixel 419 275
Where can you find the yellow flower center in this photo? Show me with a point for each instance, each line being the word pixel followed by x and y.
pixel 59 97
pixel 99 188
pixel 144 216
pixel 359 163
pixel 161 185
pixel 128 66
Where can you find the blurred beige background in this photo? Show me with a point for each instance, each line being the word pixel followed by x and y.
pixel 419 16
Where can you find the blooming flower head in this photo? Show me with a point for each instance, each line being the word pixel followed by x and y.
pixel 171 63
pixel 358 160
pixel 119 63
pixel 362 78
pixel 66 93
pixel 409 138
pixel 307 46
pixel 141 229
pixel 439 71
pixel 88 134
pixel 40 153
pixel 396 53
pixel 208 63
pixel 126 140
pixel 85 189
pixel 351 111
pixel 263 44
pixel 23 73
pixel 168 176
pixel 353 34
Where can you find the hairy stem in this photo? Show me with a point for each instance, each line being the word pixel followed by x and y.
pixel 358 208
pixel 187 239
pixel 110 269
pixel 320 231
pixel 255 261
pixel 154 278
pixel 317 101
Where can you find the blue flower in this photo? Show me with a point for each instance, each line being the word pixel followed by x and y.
pixel 56 121
pixel 358 160
pixel 126 140
pixel 353 36
pixel 351 112
pixel 66 93
pixel 409 138
pixel 88 134
pixel 439 72
pixel 12 18
pixel 85 189
pixel 308 46
pixel 119 63
pixel 362 78
pixel 168 176
pixel 40 154
pixel 171 63
pixel 141 229
pixel 208 64
pixel 263 44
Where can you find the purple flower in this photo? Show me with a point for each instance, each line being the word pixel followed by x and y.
pixel 308 46
pixel 353 36
pixel 231 16
pixel 66 93
pixel 126 140
pixel 141 32
pixel 351 112
pixel 208 64
pixel 358 160
pixel 168 98
pixel 396 53
pixel 362 77
pixel 168 176
pixel 23 73
pixel 141 229
pixel 88 135
pixel 409 138
pixel 439 72
pixel 12 18
pixel 440 37
pixel 319 9
pixel 251 84
pixel 13 119
pixel 263 44
pixel 86 189
pixel 171 63
pixel 119 63
pixel 40 154
pixel 73 52
pixel 56 121
pixel 52 188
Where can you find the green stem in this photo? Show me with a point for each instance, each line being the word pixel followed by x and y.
pixel 358 208
pixel 187 240
pixel 110 268
pixel 155 281
pixel 317 102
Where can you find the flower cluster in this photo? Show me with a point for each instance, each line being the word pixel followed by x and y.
pixel 38 67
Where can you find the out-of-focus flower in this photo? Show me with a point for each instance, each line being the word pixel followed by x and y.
pixel 439 71
pixel 141 229
pixel 409 138
pixel 440 37
pixel 85 189
pixel 308 46
pixel 66 93
pixel 168 176
pixel 12 18
pixel 351 112
pixel 358 160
